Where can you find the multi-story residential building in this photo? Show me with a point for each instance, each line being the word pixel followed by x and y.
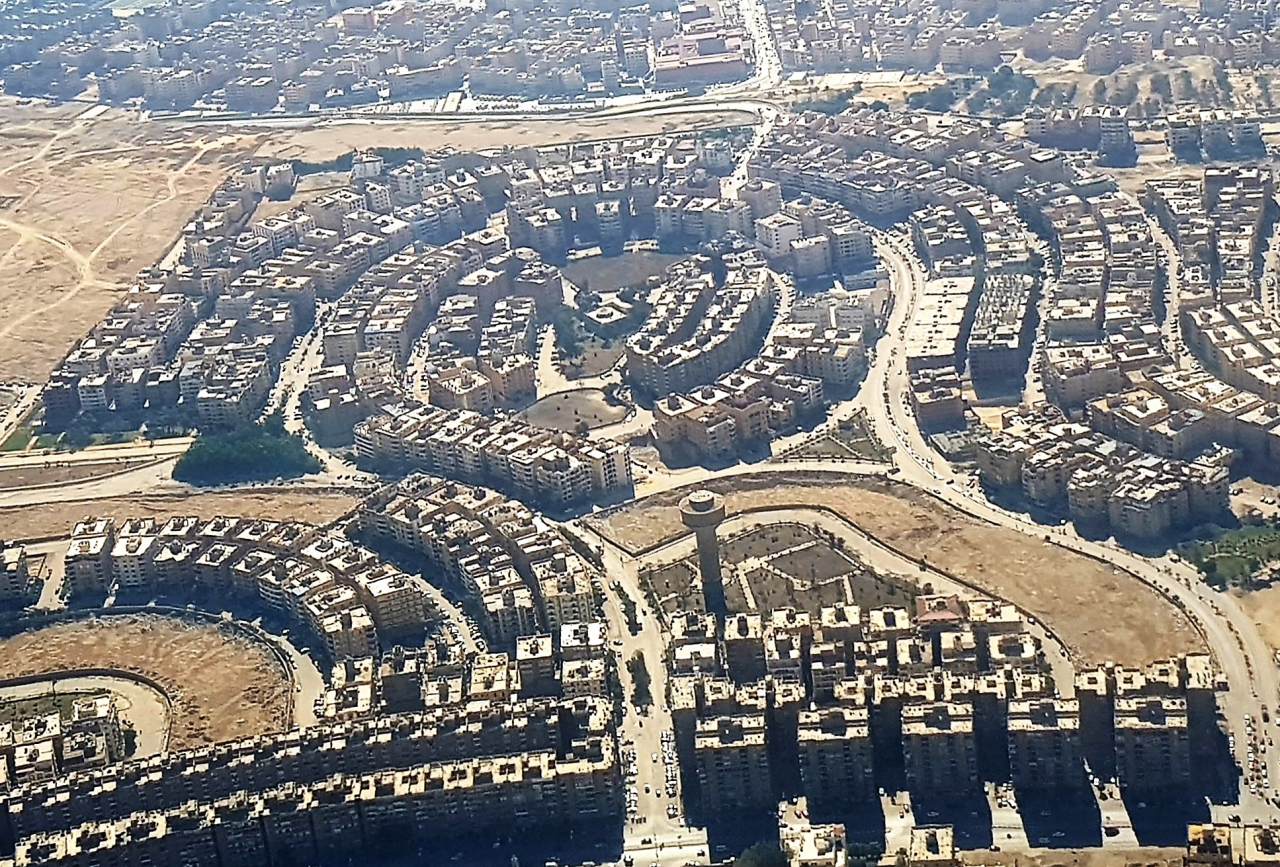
pixel 732 760
pixel 1045 746
pixel 940 749
pixel 835 755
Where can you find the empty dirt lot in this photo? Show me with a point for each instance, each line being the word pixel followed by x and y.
pixel 1100 614
pixel 222 686
pixel 332 140
pixel 1147 856
pixel 1263 606
pixel 88 197
pixel 27 475
pixel 58 519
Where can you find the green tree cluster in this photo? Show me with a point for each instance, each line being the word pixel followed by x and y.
pixel 392 157
pixel 1006 91
pixel 1160 85
pixel 937 98
pixel 254 453
pixel 828 103
pixel 641 695
pixel 762 855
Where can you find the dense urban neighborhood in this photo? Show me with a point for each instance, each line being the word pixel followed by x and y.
pixel 720 433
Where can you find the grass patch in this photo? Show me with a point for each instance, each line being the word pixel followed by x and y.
pixel 1234 557
pixel 829 103
pixel 796 566
pixel 19 439
pixel 852 439
pixel 574 411
pixel 595 357
pixel 824 446
pixel 43 705
pixel 674 587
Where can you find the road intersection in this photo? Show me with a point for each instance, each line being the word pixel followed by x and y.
pixel 1242 656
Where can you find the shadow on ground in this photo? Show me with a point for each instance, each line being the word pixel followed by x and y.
pixel 1063 819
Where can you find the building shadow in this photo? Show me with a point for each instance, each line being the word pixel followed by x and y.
pixel 864 821
pixel 563 844
pixel 970 817
pixel 730 833
pixel 1218 777
pixel 1061 819
pixel 1004 391
pixel 1160 817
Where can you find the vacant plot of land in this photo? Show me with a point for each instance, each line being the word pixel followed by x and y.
pixel 222 686
pixel 1088 603
pixel 572 410
pixel 1263 605
pixel 609 274
pixel 86 201
pixel 57 519
pixel 1148 856
pixel 333 140
pixel 54 473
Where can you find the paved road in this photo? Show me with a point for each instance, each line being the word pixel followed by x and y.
pixel 670 840
pixel 1171 328
pixel 309 682
pixel 14 415
pixel 551 379
pixel 1233 638
pixel 303 360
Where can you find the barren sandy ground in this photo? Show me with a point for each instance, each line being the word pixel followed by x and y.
pixel 222 686
pixel 326 142
pixel 58 519
pixel 26 476
pixel 1087 603
pixel 1264 607
pixel 87 199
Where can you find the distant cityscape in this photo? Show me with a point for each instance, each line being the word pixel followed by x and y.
pixel 742 433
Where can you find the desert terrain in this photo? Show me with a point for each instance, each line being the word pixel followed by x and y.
pixel 89 196
pixel 54 520
pixel 222 686
pixel 87 199
pixel 325 142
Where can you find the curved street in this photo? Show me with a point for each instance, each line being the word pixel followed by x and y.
pixel 1242 656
